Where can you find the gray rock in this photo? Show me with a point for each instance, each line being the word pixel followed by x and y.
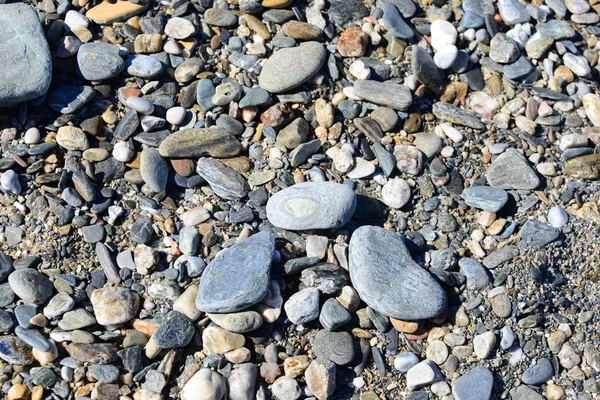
pixel 519 69
pixel 336 347
pixel 485 197
pixel 176 330
pixel 105 373
pixel 220 17
pixel 254 97
pixel 328 278
pixel 204 93
pixel 107 262
pixel 426 71
pixel 499 257
pixel 334 315
pixel 6 265
pixel 312 205
pixel 303 152
pixel 189 240
pixel 14 351
pixel 303 306
pixel 199 142
pixel 33 338
pixel 343 11
pixel 289 68
pixel 30 285
pixel 423 374
pixel 143 66
pixel 93 233
pixel 238 277
pixel 26 63
pixel 512 171
pixel 242 382
pixel 154 170
pixel 127 126
pixel 7 296
pixel 377 257
pixel 294 134
pixel 240 322
pixel 513 12
pixel 503 49
pixel 395 23
pixel 538 373
pixel 557 29
pixel 142 231
pixel 451 113
pixel 68 99
pixel 523 392
pixel 476 384
pixel 223 180
pixel 477 276
pixel 536 233
pixel 99 61
pixel 388 94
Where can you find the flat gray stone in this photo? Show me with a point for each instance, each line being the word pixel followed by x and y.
pixel 477 276
pixel 30 285
pixel 476 384
pixel 154 170
pixel 99 61
pixel 538 373
pixel 312 205
pixel 378 257
pixel 388 94
pixel 536 233
pixel 303 306
pixel 499 257
pixel 485 197
pixel 450 113
pixel 512 171
pixel 289 68
pixel 200 142
pixel 238 277
pixel 223 180
pixel 26 63
pixel 176 330
pixel 240 322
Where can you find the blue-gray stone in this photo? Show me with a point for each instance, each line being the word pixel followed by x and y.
pixel 377 257
pixel 336 347
pixel 538 373
pixel 23 313
pixel 26 63
pixel 312 205
pixel 6 265
pixel 6 322
pixel 406 7
pixel 30 285
pixel 105 373
pixel 499 257
pixel 143 66
pixel 389 94
pixel 558 6
pixel 176 330
pixel 93 233
pixel 536 233
pixel 479 7
pixel 511 170
pixel 513 12
pixel 476 384
pixel 7 296
pixel 33 338
pixel 15 351
pixel 189 240
pixel 238 277
pixel 557 29
pixel 426 71
pixel 343 11
pixel 303 306
pixel 485 197
pixel 142 231
pixel 204 93
pixel 68 99
pixel 127 126
pixel 476 274
pixel 99 61
pixel 223 180
pixel 256 96
pixel 519 69
pixel 395 24
pixel 470 20
pixel 523 392
pixel 154 170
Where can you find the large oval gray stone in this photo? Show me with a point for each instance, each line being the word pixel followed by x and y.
pixel 291 67
pixel 312 205
pixel 99 61
pixel 512 171
pixel 388 94
pixel 388 280
pixel 30 285
pixel 238 277
pixel 485 197
pixel 199 142
pixel 26 63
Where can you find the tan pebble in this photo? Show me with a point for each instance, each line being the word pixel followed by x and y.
pixel 361 333
pixel 404 326
pixel 145 326
pixel 46 357
pixel 238 356
pixel 486 218
pixel 295 366
pixel 37 393
pixel 18 392
pixel 38 320
pixel 554 392
pixel 497 226
pixel 220 341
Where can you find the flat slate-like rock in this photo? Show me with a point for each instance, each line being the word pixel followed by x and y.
pixel 223 180
pixel 451 113
pixel 30 285
pixel 312 205
pixel 289 68
pixel 485 197
pixel 99 61
pixel 378 257
pixel 512 171
pixel 200 142
pixel 176 330
pixel 536 233
pixel 426 71
pixel 387 94
pixel 476 384
pixel 26 63
pixel 238 277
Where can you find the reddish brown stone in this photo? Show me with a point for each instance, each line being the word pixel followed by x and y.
pixel 353 43
pixel 183 166
pixel 131 92
pixel 277 114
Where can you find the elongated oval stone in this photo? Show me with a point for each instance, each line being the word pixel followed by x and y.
pixel 290 67
pixel 485 197
pixel 223 180
pixel 200 142
pixel 388 280
pixel 312 205
pixel 238 277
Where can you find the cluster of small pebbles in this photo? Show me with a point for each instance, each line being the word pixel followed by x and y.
pixel 289 199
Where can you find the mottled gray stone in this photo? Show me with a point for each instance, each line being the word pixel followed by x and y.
pixel 512 171
pixel 378 257
pixel 388 94
pixel 176 330
pixel 240 322
pixel 238 277
pixel 30 285
pixel 198 142
pixel 536 233
pixel 485 197
pixel 477 276
pixel 538 373
pixel 312 205
pixel 223 180
pixel 476 384
pixel 99 61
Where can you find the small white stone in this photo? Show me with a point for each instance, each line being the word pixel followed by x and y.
pixel 405 361
pixel 176 115
pixel 74 20
pixel 359 70
pixel 453 134
pixel 32 136
pixel 362 169
pixel 179 28
pixel 578 64
pixel 395 193
pixel 445 57
pixel 121 152
pixel 557 217
pixel 484 344
pixel 423 374
pixel 204 385
pixel 343 160
pixel 546 169
pixel 316 246
pixel 443 33
pixel 573 140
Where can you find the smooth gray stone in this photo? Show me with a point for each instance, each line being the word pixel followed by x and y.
pixel 523 392
pixel 7 296
pixel 450 113
pixel 291 67
pixel 538 373
pixel 143 66
pixel 176 330
pixel 30 285
pixel 26 63
pixel 6 265
pixel 477 276
pixel 388 94
pixel 303 306
pixel 105 373
pixel 536 233
pixel 328 278
pixel 479 7
pixel 127 125
pixel 107 263
pixel 204 93
pixel 154 170
pixel 344 11
pixel 303 152
pixel 513 12
pixel 519 69
pixel 189 240
pixel 312 205
pixel 477 384
pixel 238 277
pixel 499 257
pixel 256 96
pixel 336 347
pixel 33 338
pixel 224 180
pixel 511 170
pixel 295 265
pixel 93 233
pixel 377 257
pixel 557 29
pixel 426 71
pixel 395 23
pixel 199 142
pixel 99 61
pixel 485 197
pixel 240 322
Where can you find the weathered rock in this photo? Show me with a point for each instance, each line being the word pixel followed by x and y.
pixel 223 180
pixel 199 142
pixel 512 171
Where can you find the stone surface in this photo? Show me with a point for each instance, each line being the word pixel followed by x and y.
pixel 99 61
pixel 200 142
pixel 114 306
pixel 30 285
pixel 512 171
pixel 378 256
pixel 223 180
pixel 312 205
pixel 387 94
pixel 485 198
pixel 223 289
pixel 476 384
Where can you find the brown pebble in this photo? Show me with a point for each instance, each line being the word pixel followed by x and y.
pixel 183 166
pixel 353 42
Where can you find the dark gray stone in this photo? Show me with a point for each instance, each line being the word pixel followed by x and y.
pixel 107 262
pixel 127 126
pixel 30 285
pixel 336 347
pixel 312 205
pixel 378 257
pixel 154 170
pixel 33 338
pixel 512 171
pixel 395 23
pixel 238 277
pixel 426 71
pixel 223 180
pixel 476 384
pixel 538 373
pixel 499 257
pixel 476 274
pixel 176 330
pixel 536 233
pixel 6 265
